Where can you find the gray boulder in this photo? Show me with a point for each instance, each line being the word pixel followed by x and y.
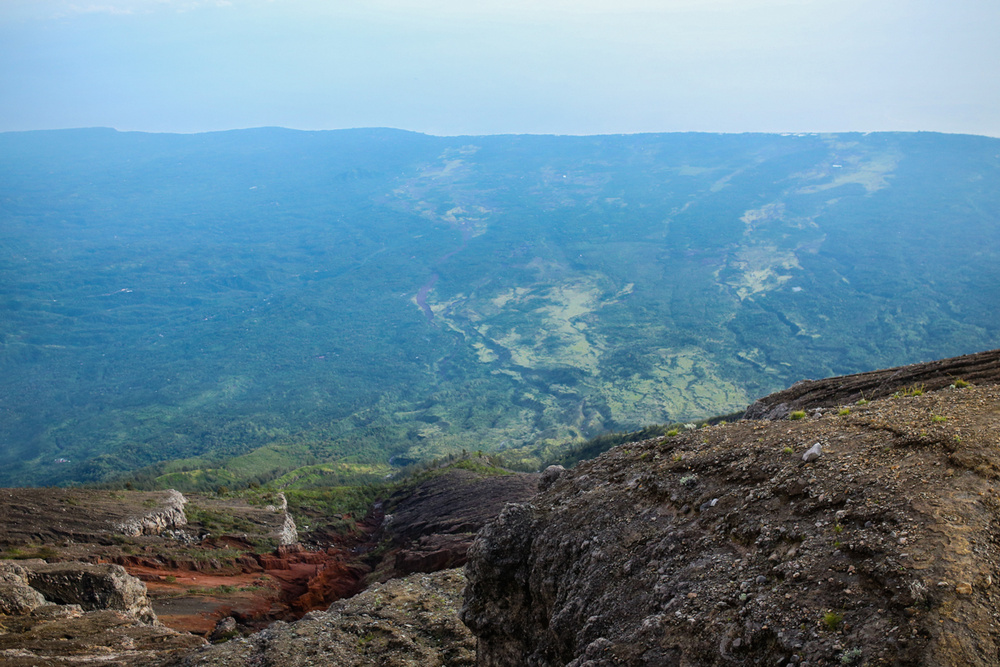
pixel 91 586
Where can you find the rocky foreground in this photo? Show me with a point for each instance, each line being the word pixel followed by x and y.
pixel 722 546
pixel 835 530
pixel 408 622
pixel 62 614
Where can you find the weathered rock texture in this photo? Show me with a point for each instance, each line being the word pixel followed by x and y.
pixel 16 594
pixel 77 613
pixel 431 526
pixel 722 547
pixel 168 516
pixel 91 586
pixel 62 516
pixel 982 368
pixel 404 622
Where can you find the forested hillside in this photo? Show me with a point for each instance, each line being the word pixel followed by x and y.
pixel 323 306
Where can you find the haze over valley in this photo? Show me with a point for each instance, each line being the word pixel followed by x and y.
pixel 190 311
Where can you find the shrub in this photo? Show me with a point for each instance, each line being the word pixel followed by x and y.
pixel 798 414
pixel 832 620
pixel 851 656
pixel 843 412
pixel 960 383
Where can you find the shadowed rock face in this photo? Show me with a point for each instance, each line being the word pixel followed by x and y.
pixel 723 547
pixel 979 368
pixel 432 525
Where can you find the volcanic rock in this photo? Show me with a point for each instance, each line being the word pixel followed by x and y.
pixel 981 368
pixel 88 614
pixel 404 622
pixel 882 552
pixel 91 586
pixel 431 524
pixel 169 516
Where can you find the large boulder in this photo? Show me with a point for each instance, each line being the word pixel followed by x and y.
pixel 170 515
pixel 93 614
pixel 16 596
pixel 93 587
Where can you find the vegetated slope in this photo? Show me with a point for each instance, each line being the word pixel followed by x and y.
pixel 722 546
pixel 254 303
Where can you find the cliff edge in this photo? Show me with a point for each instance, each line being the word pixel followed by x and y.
pixel 723 546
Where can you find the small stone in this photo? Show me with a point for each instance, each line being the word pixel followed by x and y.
pixel 813 453
pixel 963 588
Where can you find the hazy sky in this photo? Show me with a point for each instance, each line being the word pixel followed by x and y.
pixel 502 66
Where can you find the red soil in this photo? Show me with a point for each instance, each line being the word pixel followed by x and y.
pixel 255 589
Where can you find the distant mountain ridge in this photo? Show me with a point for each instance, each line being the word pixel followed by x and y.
pixel 270 304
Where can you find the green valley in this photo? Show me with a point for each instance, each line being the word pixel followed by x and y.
pixel 323 308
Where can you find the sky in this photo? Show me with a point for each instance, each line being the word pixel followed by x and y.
pixel 452 67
